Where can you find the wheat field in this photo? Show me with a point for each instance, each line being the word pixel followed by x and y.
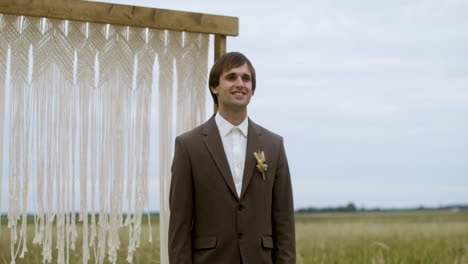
pixel 348 238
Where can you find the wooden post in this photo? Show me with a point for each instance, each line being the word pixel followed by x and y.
pixel 219 46
pixel 219 50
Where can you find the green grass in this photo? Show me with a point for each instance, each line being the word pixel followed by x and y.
pixel 348 238
pixel 397 238
pixel 146 253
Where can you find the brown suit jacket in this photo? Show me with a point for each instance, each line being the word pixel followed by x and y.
pixel 209 223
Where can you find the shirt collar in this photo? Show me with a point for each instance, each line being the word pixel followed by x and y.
pixel 225 127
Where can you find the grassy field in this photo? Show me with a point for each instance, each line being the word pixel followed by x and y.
pixel 348 238
pixel 422 237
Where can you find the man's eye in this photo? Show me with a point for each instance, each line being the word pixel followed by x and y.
pixel 246 78
pixel 231 77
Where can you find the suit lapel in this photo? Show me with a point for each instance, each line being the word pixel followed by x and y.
pixel 214 145
pixel 253 144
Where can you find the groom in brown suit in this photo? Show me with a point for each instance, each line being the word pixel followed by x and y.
pixel 224 208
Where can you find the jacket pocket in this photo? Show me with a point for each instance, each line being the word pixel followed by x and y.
pixel 204 242
pixel 267 242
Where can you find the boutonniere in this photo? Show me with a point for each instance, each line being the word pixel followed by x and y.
pixel 261 165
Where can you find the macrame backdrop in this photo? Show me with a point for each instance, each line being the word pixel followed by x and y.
pixel 75 106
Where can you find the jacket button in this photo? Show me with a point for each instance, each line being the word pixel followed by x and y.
pixel 240 235
pixel 241 207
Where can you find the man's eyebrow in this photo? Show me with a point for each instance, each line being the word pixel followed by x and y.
pixel 234 73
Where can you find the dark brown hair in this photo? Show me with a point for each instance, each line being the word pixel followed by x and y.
pixel 225 63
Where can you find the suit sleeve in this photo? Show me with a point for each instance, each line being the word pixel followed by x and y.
pixel 283 213
pixel 181 207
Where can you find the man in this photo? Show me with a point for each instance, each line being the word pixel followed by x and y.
pixel 229 205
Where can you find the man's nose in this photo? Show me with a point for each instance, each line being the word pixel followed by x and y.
pixel 239 81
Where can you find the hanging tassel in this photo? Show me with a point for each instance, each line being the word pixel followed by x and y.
pixel 79 123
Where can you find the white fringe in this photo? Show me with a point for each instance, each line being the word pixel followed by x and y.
pixel 77 108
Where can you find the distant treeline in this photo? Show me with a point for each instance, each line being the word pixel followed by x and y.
pixel 152 214
pixel 352 208
pixel 349 208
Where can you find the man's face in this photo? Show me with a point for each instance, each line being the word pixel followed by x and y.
pixel 235 88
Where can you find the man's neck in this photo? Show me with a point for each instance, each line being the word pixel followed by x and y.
pixel 235 118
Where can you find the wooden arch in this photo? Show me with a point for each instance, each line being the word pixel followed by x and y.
pixel 219 26
pixel 96 12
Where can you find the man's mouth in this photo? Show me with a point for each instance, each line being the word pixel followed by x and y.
pixel 238 93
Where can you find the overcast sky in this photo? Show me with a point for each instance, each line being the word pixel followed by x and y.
pixel 371 97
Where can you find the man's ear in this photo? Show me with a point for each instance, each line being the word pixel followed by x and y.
pixel 214 90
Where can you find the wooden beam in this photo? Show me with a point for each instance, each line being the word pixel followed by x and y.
pixel 123 15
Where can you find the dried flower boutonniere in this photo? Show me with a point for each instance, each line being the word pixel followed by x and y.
pixel 261 165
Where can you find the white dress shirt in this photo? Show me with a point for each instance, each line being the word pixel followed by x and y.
pixel 234 140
